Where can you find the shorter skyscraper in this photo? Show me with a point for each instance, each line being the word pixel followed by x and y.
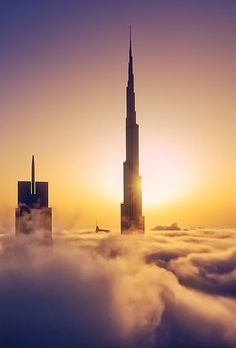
pixel 33 216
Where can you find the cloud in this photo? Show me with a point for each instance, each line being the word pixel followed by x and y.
pixel 213 273
pixel 156 290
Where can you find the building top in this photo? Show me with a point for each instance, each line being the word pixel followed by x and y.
pixel 33 194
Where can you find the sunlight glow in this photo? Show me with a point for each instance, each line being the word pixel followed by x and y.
pixel 165 177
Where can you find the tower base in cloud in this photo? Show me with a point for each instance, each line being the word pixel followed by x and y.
pixel 129 225
pixel 33 227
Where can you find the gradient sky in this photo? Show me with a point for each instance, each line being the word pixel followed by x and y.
pixel 63 69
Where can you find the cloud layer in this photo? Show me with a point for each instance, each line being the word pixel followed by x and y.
pixel 165 289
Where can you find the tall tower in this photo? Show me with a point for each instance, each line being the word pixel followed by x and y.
pixel 131 210
pixel 33 216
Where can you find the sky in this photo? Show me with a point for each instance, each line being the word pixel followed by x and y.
pixel 63 68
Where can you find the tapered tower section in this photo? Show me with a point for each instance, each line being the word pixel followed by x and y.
pixel 131 209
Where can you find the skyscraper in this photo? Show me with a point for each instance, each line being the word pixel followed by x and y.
pixel 131 210
pixel 33 216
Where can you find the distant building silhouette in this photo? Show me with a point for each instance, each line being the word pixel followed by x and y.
pixel 131 209
pixel 33 216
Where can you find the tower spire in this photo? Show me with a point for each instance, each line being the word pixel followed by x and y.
pixel 130 40
pixel 130 93
pixel 33 176
pixel 131 73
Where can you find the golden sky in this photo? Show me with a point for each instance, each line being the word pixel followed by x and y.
pixel 62 99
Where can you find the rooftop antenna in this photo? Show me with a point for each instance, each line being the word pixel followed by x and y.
pixel 33 177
